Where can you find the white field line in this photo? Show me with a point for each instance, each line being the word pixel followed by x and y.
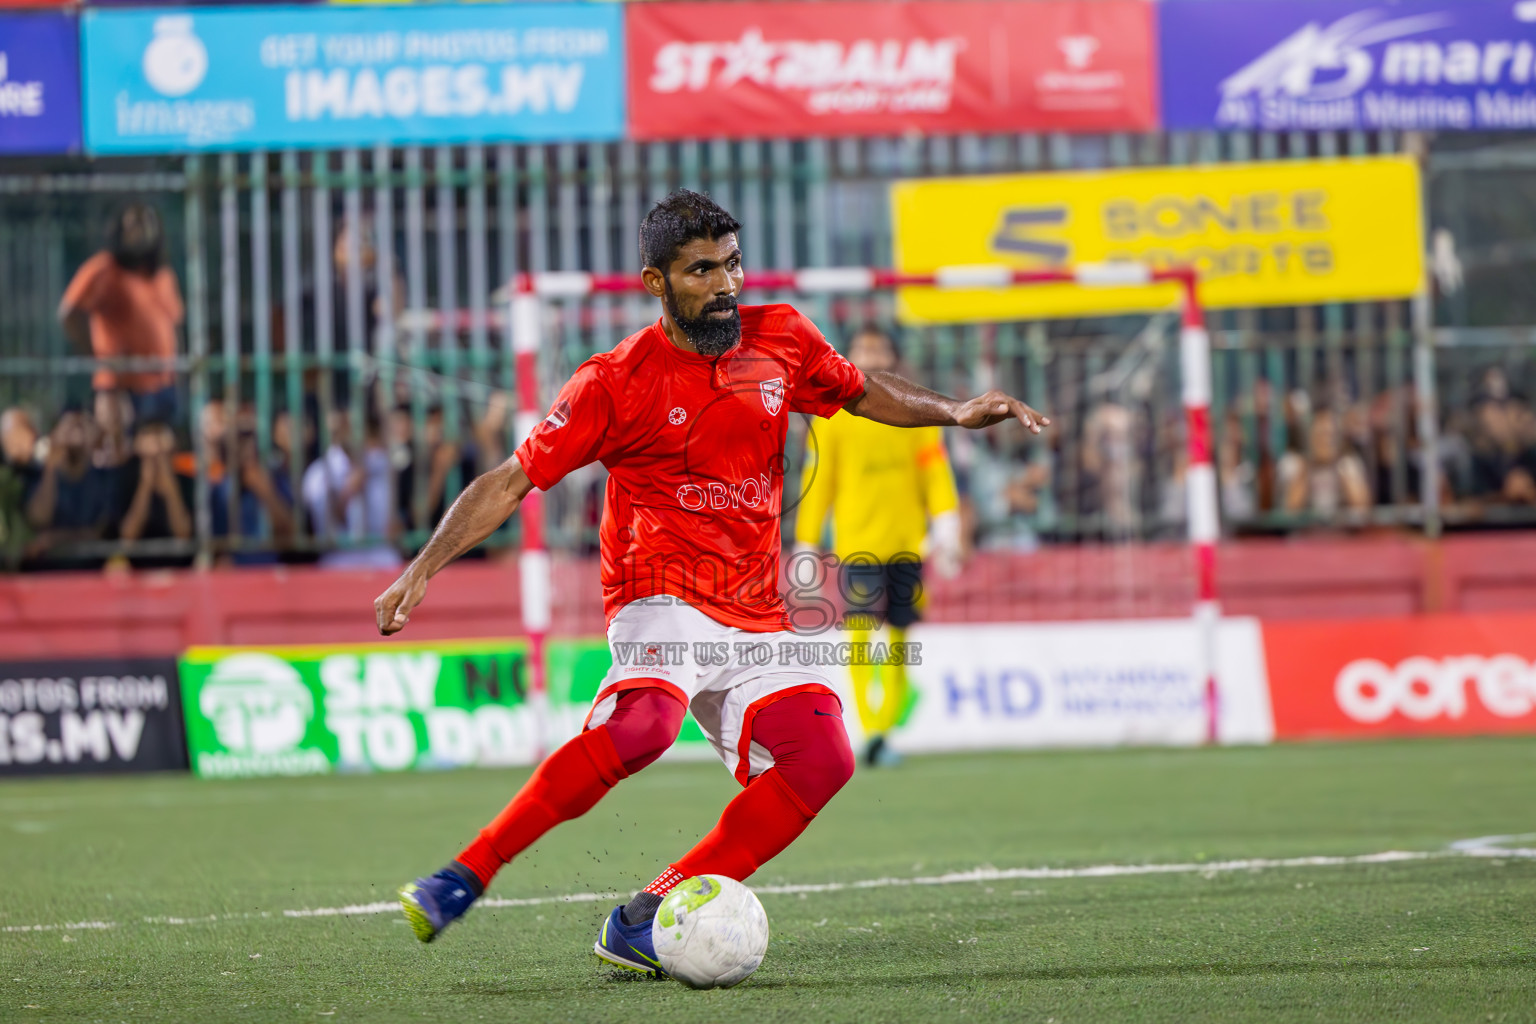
pixel 389 906
pixel 1483 847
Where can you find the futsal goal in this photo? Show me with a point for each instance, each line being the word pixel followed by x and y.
pixel 1114 515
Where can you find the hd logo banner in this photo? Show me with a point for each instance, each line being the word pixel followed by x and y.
pixel 1082 684
pixel 1259 234
pixel 158 80
pixel 1341 64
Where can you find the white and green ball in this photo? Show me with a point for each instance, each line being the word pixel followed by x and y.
pixel 710 932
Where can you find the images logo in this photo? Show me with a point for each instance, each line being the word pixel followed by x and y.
pixel 175 61
pixel 257 704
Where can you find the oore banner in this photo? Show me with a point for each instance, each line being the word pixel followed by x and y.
pixel 1404 676
pixel 385 707
pixel 1325 65
pixel 158 81
pixel 39 83
pixel 79 715
pixel 759 70
pixel 1271 234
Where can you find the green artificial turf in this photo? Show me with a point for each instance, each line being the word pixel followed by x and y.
pixel 194 877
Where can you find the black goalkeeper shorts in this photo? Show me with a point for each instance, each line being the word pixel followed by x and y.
pixel 891 591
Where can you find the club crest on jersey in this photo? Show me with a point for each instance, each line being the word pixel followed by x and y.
pixel 773 395
pixel 559 416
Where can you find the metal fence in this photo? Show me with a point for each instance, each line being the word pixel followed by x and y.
pixel 347 303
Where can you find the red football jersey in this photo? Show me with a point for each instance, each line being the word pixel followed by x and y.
pixel 695 454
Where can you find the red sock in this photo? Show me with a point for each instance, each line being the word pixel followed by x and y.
pixel 812 760
pixel 763 819
pixel 566 785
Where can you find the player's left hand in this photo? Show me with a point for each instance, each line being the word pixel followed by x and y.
pixel 392 609
pixel 996 406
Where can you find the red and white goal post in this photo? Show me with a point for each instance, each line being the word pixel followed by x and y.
pixel 525 323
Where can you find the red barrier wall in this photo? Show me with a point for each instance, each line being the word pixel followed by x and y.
pixel 1304 578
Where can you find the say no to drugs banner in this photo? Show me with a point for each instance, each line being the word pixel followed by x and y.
pixel 255 711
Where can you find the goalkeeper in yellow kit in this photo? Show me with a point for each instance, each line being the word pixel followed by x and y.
pixel 889 491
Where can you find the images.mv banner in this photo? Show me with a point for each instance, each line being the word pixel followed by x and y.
pixel 160 80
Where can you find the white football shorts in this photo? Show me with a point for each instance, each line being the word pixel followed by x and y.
pixel 723 674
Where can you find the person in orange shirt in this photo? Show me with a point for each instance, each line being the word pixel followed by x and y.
pixel 127 303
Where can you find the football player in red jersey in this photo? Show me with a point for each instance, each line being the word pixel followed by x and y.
pixel 689 416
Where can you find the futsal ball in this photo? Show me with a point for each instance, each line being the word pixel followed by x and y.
pixel 710 932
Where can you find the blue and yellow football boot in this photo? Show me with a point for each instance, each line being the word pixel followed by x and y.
pixel 628 945
pixel 432 904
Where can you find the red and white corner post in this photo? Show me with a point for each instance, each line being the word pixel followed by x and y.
pixel 1204 512
pixel 523 328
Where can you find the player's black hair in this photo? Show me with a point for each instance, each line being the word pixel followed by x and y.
pixel 136 239
pixel 681 217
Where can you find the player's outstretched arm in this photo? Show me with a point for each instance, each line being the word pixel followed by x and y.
pixel 482 507
pixel 888 398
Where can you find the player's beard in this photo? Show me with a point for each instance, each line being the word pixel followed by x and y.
pixel 711 336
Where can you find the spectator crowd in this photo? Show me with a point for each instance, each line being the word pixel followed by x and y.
pixel 357 473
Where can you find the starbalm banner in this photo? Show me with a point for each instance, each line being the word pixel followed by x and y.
pixel 744 70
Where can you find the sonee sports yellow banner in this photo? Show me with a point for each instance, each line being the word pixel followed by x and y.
pixel 1268 234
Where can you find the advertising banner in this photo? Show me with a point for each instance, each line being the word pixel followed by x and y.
pixel 1260 234
pixel 209 78
pixel 39 83
pixel 1338 64
pixel 1426 674
pixel 863 67
pixel 383 707
pixel 90 715
pixel 988 687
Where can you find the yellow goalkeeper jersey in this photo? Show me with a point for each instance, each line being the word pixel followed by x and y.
pixel 882 485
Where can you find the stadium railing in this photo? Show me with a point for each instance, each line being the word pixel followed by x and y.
pixel 272 312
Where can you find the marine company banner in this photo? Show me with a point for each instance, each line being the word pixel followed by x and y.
pixel 384 707
pixel 861 67
pixel 90 715
pixel 1442 674
pixel 39 83
pixel 1260 235
pixel 1069 684
pixel 1331 64
pixel 208 78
